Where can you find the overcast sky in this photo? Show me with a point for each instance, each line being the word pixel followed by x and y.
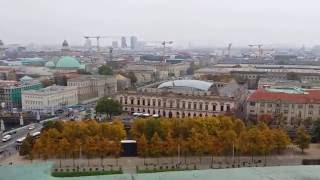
pixel 200 22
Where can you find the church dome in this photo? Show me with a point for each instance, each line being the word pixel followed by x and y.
pixel 68 62
pixel 65 44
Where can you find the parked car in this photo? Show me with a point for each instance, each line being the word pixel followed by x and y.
pixel 6 138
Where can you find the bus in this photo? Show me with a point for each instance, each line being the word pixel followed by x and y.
pixel 36 134
pixel 20 141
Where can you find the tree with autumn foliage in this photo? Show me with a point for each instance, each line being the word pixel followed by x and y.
pixel 302 139
pixel 155 145
pixel 142 147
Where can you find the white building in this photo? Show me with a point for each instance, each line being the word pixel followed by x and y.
pixel 49 99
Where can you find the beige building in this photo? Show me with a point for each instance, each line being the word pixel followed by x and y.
pixel 179 98
pixel 93 86
pixel 123 83
pixel 291 104
pixel 49 99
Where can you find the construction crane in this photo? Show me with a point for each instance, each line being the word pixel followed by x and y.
pixel 98 39
pixel 260 50
pixel 164 43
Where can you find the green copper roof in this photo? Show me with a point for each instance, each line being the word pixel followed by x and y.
pixel 82 66
pixel 68 63
pixel 50 64
pixel 288 90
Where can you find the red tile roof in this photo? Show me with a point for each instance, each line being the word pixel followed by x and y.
pixel 312 96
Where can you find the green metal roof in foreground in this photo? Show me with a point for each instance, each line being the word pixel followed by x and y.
pixel 68 62
pixel 42 172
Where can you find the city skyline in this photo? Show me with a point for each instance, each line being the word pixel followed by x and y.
pixel 204 23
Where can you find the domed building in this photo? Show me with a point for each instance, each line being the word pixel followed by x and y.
pixel 68 64
pixel 178 98
pixel 65 45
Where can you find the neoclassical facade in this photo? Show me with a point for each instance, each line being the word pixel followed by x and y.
pixel 49 99
pixel 175 105
pixel 94 86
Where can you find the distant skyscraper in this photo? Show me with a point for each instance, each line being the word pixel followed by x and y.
pixel 123 42
pixel 133 42
pixel 2 49
pixel 115 44
pixel 88 44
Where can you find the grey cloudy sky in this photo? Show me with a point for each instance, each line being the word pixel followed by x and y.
pixel 201 22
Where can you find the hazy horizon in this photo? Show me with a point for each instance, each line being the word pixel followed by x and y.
pixel 199 22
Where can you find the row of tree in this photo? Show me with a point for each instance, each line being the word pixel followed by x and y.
pixel 214 136
pixel 74 139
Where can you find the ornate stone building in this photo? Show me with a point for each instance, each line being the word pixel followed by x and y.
pixel 94 86
pixel 179 98
pixel 292 105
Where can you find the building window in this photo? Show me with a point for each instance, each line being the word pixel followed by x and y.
pixel 164 104
pixel 252 110
pixel 221 108
pixel 194 105
pixel 153 102
pixel 285 111
pixel 148 102
pixel 178 104
pixel 262 104
pixel 184 105
pixel 228 107
pixel 200 106
pixel 270 105
pixel 125 101
pixel 143 102
pixel 189 105
pixel 138 101
pixel 121 100
pixel 310 112
pixel 159 102
pixel 310 106
pixel 214 107
pixel 132 101
pixel 206 107
pixel 252 103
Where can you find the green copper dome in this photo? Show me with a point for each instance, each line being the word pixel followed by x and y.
pixel 68 62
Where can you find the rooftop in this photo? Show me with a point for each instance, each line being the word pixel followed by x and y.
pixel 68 63
pixel 296 95
pixel 50 90
pixel 41 171
pixel 195 84
pixel 90 77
